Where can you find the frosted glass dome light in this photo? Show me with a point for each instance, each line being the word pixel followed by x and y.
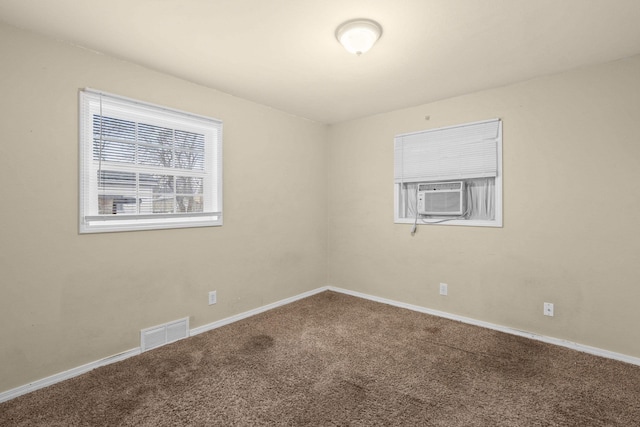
pixel 358 35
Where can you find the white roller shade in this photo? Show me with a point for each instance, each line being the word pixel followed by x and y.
pixel 457 152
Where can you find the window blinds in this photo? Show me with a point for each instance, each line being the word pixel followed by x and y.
pixel 148 165
pixel 458 152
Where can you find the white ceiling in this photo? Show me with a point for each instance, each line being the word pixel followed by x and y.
pixel 283 53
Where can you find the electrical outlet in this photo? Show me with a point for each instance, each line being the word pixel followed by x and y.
pixel 548 309
pixel 443 289
pixel 212 298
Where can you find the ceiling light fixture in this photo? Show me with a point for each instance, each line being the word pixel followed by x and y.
pixel 358 35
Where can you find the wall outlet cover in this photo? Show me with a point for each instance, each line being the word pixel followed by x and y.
pixel 444 289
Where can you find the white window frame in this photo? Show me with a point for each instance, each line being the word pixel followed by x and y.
pixel 400 199
pixel 93 102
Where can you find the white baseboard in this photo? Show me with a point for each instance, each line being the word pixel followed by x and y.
pixel 74 372
pixel 235 318
pixel 551 340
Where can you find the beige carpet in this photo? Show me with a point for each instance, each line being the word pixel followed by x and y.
pixel 336 360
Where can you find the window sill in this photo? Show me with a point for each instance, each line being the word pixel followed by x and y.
pixel 463 222
pixel 106 226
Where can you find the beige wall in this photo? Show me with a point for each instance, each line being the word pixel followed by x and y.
pixel 68 299
pixel 571 233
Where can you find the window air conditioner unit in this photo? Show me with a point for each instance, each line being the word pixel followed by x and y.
pixel 441 198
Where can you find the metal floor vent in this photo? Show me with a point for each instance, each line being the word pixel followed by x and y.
pixel 160 335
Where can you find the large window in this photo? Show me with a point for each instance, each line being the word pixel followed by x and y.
pixel 450 175
pixel 146 167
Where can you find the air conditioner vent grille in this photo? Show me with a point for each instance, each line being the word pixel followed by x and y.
pixel 440 186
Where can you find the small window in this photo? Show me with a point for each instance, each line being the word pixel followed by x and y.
pixel 147 167
pixel 450 175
